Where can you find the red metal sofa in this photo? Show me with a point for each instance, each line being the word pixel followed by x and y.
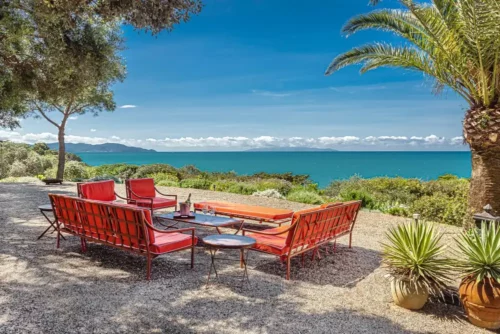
pixel 310 229
pixel 100 191
pixel 252 212
pixel 119 225
pixel 142 192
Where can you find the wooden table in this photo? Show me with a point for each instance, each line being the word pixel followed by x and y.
pixel 228 241
pixel 202 220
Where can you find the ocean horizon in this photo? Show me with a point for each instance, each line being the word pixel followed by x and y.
pixel 322 167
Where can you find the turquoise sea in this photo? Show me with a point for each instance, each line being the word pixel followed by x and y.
pixel 322 167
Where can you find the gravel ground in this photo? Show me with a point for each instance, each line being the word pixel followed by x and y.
pixel 46 290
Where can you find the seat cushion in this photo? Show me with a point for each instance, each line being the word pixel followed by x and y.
pixel 158 202
pixel 251 211
pixel 99 191
pixel 269 243
pixel 169 242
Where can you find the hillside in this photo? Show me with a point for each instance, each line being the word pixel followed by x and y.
pixel 99 148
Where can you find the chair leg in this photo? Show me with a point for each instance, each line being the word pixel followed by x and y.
pixel 288 268
pixel 350 240
pixel 148 268
pixel 192 257
pixel 83 244
pixel 58 243
pixel 242 259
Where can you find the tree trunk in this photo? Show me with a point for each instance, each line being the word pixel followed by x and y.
pixel 482 133
pixel 62 153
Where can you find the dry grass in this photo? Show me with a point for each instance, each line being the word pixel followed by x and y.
pixel 45 290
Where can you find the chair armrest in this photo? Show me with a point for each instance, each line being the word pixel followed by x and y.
pixel 267 233
pixel 125 198
pixel 140 197
pixel 167 195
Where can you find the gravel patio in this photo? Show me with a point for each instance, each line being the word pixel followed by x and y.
pixel 49 290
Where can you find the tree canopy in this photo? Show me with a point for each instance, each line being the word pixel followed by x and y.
pixel 54 50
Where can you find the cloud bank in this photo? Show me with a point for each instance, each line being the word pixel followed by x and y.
pixel 127 106
pixel 431 142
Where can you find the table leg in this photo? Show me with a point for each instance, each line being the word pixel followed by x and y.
pixel 245 271
pixel 212 251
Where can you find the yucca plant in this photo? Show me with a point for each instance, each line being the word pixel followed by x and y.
pixel 456 43
pixel 480 250
pixel 413 252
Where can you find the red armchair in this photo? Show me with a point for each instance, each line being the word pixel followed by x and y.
pixel 142 192
pixel 99 191
pixel 119 225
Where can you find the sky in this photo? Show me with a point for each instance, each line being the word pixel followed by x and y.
pixel 250 73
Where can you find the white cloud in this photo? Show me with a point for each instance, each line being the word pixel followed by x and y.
pixel 241 142
pixel 73 118
pixel 93 130
pixel 127 106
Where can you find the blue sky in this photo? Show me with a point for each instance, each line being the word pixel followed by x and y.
pixel 251 74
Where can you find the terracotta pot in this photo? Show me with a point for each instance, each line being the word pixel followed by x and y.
pixel 481 302
pixel 409 295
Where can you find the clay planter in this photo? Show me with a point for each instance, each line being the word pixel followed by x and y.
pixel 408 294
pixel 481 302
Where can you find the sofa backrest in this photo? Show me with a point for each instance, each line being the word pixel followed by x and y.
pixel 119 224
pixel 99 190
pixel 140 187
pixel 317 225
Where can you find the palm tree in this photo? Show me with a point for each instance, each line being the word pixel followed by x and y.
pixel 456 43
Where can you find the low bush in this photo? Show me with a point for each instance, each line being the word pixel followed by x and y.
pixel 359 195
pixel 159 177
pixel 145 170
pixel 195 184
pixel 18 169
pixel 167 183
pixel 441 208
pixel 74 171
pixel 104 178
pixel 269 193
pixel 304 196
pixel 282 186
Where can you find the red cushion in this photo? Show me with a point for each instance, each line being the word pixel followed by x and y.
pixel 269 243
pixel 168 242
pixel 257 212
pixel 99 191
pixel 141 187
pixel 158 202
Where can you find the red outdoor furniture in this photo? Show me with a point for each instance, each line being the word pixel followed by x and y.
pixel 252 212
pixel 99 191
pixel 310 229
pixel 142 192
pixel 118 225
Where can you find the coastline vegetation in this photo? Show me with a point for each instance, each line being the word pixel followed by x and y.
pixel 443 200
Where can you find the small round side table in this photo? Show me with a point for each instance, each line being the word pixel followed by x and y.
pixel 228 241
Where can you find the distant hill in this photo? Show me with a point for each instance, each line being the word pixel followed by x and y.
pixel 108 147
pixel 291 149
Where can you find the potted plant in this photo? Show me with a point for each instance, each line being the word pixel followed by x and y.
pixel 415 260
pixel 480 266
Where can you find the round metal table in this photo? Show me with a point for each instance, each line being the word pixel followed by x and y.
pixel 228 241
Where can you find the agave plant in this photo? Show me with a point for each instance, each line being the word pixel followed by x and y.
pixel 456 43
pixel 480 252
pixel 413 252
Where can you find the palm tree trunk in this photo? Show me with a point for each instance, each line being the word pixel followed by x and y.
pixel 61 154
pixel 485 181
pixel 482 132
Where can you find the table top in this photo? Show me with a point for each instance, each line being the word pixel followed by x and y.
pixel 45 207
pixel 204 220
pixel 229 241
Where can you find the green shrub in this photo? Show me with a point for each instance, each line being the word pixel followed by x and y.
pixel 75 171
pixel 145 170
pixel 158 177
pixel 304 196
pixel 34 164
pixel 195 184
pixel 18 169
pixel 398 211
pixel 441 208
pixel 189 172
pixel 359 195
pixel 269 193
pixel 222 185
pixel 167 183
pixel 282 186
pixel 243 188
pixel 104 178
pixel 122 171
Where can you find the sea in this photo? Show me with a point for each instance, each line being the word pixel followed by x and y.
pixel 322 167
